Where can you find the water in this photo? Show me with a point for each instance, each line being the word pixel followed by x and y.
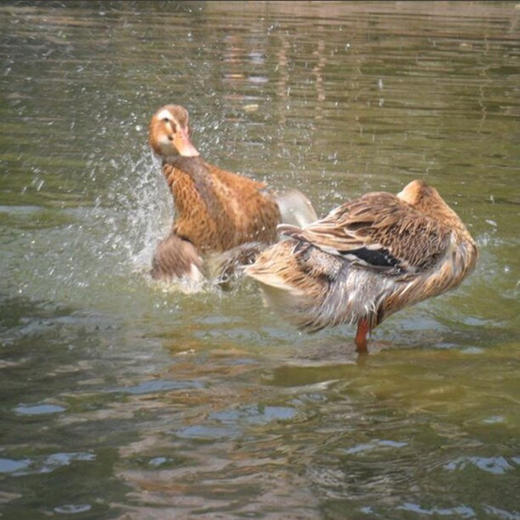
pixel 121 399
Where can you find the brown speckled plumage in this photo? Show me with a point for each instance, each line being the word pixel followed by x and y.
pixel 215 210
pixel 175 257
pixel 366 260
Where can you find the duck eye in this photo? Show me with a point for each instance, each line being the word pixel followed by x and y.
pixel 165 119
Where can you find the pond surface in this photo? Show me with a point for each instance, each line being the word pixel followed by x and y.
pixel 123 399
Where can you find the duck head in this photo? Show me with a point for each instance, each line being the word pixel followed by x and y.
pixel 169 133
pixel 427 199
pixel 416 192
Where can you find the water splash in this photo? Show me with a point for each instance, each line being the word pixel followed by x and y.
pixel 143 211
pixel 76 253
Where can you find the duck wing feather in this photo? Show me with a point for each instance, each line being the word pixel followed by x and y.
pixel 378 231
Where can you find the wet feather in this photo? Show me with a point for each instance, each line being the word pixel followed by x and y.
pixel 367 259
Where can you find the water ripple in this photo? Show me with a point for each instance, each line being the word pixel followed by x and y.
pixel 157 385
pixel 39 409
pixel 494 465
pixel 457 511
pixel 39 465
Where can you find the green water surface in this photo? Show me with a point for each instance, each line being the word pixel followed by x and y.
pixel 123 399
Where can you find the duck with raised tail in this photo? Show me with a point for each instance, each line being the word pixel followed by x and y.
pixel 216 210
pixel 366 260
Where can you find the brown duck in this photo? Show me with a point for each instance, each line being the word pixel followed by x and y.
pixel 216 210
pixel 366 260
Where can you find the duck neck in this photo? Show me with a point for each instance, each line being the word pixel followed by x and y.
pixel 190 177
pixel 182 162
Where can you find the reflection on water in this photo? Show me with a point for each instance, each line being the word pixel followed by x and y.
pixel 122 399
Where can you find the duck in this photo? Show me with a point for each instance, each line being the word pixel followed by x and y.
pixel 367 259
pixel 216 211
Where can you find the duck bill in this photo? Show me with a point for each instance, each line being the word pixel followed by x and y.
pixel 183 144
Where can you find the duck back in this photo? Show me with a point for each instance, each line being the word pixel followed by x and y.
pixel 218 210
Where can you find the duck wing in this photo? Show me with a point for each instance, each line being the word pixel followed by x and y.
pixel 380 232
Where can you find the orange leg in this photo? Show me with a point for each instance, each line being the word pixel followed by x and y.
pixel 361 336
